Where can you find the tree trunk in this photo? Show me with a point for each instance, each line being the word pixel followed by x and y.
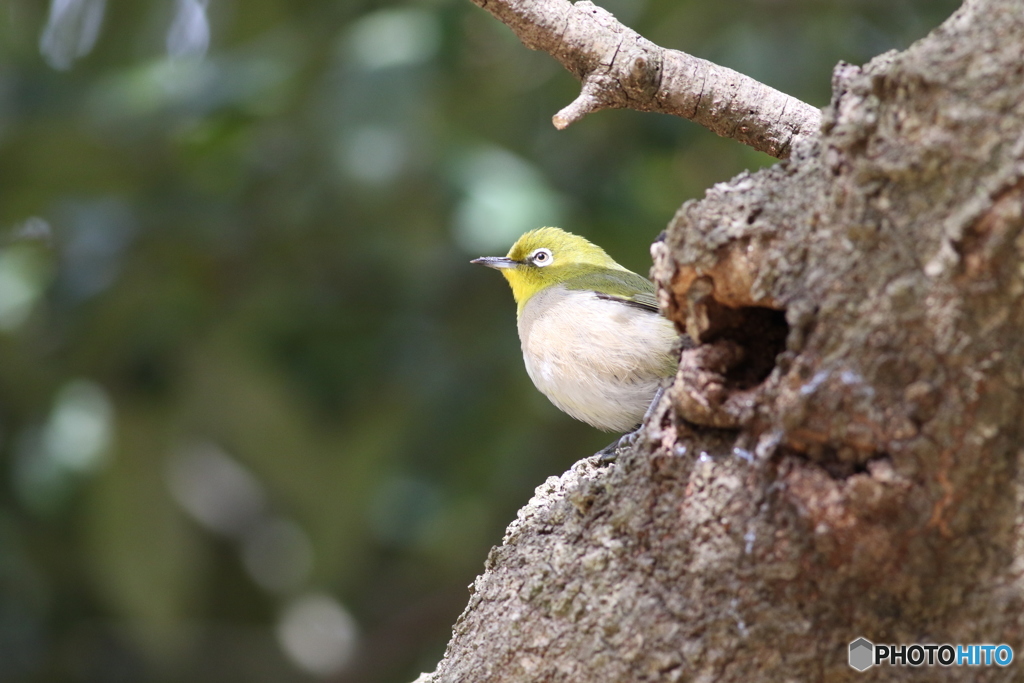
pixel 838 458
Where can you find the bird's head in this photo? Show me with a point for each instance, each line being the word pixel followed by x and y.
pixel 546 257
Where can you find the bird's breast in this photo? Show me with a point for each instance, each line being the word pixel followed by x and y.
pixel 599 360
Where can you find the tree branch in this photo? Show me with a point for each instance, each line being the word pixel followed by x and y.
pixel 620 69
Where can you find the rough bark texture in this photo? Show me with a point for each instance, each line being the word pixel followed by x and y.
pixel 839 457
pixel 621 69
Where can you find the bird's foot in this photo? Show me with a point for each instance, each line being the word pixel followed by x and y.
pixel 610 453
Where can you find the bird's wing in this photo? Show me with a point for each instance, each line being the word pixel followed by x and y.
pixel 617 285
pixel 641 300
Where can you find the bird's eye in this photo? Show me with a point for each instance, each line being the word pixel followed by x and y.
pixel 541 257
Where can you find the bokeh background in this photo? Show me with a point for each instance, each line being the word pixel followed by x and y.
pixel 260 419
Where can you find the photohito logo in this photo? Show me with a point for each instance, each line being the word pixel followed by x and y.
pixel 862 651
pixel 864 654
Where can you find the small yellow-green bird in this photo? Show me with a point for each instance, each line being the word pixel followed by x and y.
pixel 593 339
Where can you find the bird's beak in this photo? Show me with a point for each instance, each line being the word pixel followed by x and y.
pixel 498 262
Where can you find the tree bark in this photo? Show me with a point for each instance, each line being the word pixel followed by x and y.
pixel 838 458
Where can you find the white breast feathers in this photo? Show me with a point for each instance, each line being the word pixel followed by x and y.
pixel 599 360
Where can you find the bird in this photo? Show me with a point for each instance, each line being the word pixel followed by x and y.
pixel 593 339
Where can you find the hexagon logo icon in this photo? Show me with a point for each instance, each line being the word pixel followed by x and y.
pixel 862 653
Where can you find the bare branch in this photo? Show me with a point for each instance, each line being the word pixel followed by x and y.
pixel 620 69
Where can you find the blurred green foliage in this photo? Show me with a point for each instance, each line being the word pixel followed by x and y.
pixel 260 420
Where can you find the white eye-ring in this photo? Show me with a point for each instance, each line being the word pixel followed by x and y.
pixel 541 257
